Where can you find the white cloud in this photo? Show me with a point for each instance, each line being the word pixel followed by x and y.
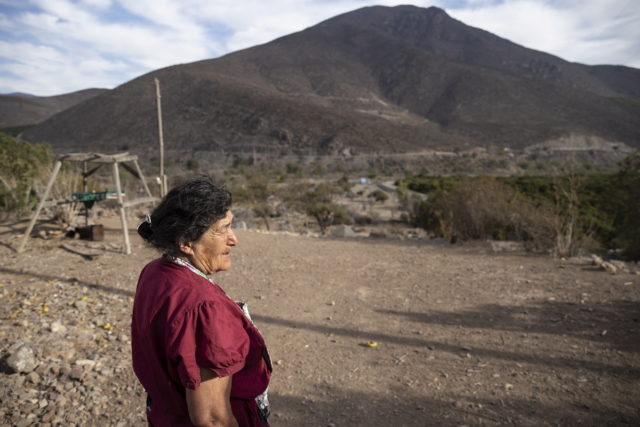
pixel 56 46
pixel 591 31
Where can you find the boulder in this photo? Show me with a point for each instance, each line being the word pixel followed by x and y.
pixel 342 231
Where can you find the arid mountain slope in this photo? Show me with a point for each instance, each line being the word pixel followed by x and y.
pixel 21 109
pixel 378 79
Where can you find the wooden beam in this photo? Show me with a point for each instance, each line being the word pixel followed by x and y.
pixel 140 201
pixel 98 157
pixel 131 170
pixel 91 172
pixel 142 178
pixel 123 216
pixel 52 179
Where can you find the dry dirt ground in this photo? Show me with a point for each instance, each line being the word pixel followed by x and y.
pixel 363 332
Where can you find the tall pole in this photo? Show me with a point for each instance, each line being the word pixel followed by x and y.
pixel 163 180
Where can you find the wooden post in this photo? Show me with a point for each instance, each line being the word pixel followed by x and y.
pixel 85 187
pixel 163 180
pixel 52 179
pixel 144 181
pixel 123 217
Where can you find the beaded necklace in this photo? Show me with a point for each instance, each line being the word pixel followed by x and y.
pixel 191 267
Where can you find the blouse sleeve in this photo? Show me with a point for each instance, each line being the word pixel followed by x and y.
pixel 210 336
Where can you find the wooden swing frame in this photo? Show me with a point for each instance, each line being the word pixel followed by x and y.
pixel 99 160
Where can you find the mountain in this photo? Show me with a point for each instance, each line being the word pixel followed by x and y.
pixel 26 95
pixel 19 109
pixel 376 80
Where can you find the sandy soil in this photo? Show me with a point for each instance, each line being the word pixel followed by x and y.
pixel 365 332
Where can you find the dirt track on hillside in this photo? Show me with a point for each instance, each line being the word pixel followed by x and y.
pixel 461 336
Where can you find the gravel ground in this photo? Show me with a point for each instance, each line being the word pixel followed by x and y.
pixel 363 332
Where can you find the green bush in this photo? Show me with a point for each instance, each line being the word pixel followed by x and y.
pixel 24 169
pixel 378 195
pixel 624 207
pixel 317 202
pixel 191 164
pixel 559 214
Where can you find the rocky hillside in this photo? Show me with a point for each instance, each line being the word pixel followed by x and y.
pixel 24 109
pixel 376 80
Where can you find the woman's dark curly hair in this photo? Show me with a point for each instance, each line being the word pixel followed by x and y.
pixel 184 214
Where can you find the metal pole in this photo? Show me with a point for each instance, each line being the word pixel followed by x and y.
pixel 163 188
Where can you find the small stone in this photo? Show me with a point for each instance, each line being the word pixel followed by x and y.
pixel 48 417
pixel 42 369
pixel 88 363
pixel 22 359
pixel 610 268
pixel 106 372
pixel 76 372
pixel 58 328
pixel 33 377
pixel 81 305
pixel 508 387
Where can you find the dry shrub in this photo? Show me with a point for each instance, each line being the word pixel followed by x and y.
pixel 67 182
pixel 480 208
pixel 484 208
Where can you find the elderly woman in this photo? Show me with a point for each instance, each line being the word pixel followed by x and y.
pixel 195 351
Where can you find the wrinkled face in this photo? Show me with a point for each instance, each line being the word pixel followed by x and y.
pixel 212 251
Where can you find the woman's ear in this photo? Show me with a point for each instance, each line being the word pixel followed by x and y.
pixel 186 248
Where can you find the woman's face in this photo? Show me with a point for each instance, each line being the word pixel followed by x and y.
pixel 212 251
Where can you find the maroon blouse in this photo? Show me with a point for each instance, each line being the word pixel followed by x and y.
pixel 181 321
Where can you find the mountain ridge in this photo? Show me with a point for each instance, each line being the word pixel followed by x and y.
pixel 20 109
pixel 377 79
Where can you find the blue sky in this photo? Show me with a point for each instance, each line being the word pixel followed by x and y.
pixel 50 47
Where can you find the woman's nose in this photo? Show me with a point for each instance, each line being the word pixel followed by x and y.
pixel 232 240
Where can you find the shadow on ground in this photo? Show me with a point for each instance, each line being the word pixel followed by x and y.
pixel 587 322
pixel 396 408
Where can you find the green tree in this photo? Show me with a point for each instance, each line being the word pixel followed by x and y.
pixel 317 202
pixel 378 195
pixel 263 211
pixel 625 201
pixel 255 191
pixel 344 183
